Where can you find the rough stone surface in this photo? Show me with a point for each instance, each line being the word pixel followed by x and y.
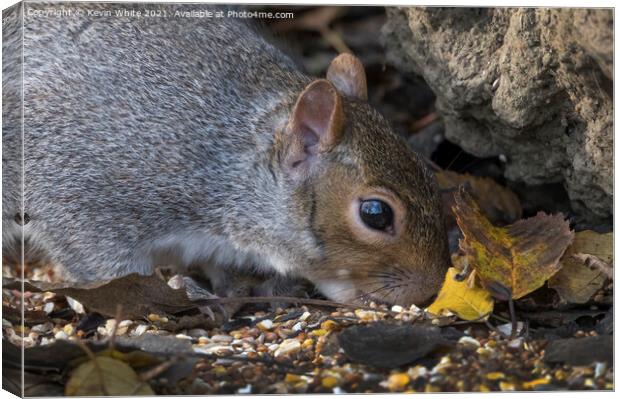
pixel 532 84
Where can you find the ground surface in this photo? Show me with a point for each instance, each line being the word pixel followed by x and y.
pixel 312 349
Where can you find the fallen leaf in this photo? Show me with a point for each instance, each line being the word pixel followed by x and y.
pixel 105 376
pixel 519 257
pixel 497 202
pixel 575 282
pixel 383 344
pixel 458 298
pixel 139 295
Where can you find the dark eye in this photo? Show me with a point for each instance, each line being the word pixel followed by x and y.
pixel 376 214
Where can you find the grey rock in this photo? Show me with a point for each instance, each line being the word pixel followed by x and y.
pixel 532 84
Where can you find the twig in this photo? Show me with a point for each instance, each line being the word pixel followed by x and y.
pixel 93 358
pixel 117 318
pixel 290 299
pixel 152 373
pixel 595 263
pixel 513 318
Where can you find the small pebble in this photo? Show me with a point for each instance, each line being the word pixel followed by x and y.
pixel 61 335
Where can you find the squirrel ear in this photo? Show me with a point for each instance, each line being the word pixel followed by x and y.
pixel 347 73
pixel 315 125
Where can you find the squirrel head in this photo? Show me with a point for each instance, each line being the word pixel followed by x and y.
pixel 370 201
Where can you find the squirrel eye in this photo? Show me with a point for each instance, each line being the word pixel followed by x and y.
pixel 376 214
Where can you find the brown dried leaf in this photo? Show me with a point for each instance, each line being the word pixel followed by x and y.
pixel 497 202
pixel 575 282
pixel 138 295
pixel 519 257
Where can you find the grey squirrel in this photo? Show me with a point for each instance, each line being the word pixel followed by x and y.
pixel 152 141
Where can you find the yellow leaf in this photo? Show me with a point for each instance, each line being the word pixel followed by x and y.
pixel 575 282
pixel 105 376
pixel 458 298
pixel 519 257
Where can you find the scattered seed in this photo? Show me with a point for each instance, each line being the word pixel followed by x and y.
pixel 329 382
pixel 75 305
pixel 288 347
pixel 397 382
pixel 265 325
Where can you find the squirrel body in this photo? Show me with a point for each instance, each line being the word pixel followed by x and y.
pixel 153 141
